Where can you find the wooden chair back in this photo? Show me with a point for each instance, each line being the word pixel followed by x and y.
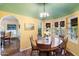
pixel 33 42
pixel 44 46
pixel 31 39
pixel 65 43
pixel 2 35
pixel 63 46
pixel 8 35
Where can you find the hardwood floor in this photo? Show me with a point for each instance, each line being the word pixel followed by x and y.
pixel 35 53
pixel 11 48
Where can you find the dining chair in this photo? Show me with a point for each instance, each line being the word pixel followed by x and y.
pixel 7 37
pixel 44 48
pixel 33 45
pixel 62 48
pixel 2 38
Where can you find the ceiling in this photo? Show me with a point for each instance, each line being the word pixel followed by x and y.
pixel 34 9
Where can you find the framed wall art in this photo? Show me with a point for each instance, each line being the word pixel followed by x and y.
pixel 29 26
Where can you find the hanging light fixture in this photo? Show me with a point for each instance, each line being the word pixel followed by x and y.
pixel 44 14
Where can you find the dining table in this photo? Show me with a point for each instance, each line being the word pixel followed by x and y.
pixel 49 45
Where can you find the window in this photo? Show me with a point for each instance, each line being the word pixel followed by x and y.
pixel 62 23
pixel 11 26
pixel 62 27
pixel 73 29
pixel 48 25
pixel 56 24
pixel 56 28
pixel 74 22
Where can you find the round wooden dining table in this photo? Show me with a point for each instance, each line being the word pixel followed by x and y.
pixel 48 46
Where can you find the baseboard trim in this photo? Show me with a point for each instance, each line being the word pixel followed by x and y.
pixel 21 50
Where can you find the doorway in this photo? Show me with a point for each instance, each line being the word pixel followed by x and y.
pixel 10 24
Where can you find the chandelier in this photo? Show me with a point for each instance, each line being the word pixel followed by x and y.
pixel 44 14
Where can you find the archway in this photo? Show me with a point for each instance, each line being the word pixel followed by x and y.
pixel 10 24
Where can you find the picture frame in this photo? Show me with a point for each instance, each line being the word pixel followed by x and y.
pixel 29 26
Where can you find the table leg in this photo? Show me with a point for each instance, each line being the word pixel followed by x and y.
pixel 48 53
pixel 9 40
pixel 1 43
pixel 39 53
